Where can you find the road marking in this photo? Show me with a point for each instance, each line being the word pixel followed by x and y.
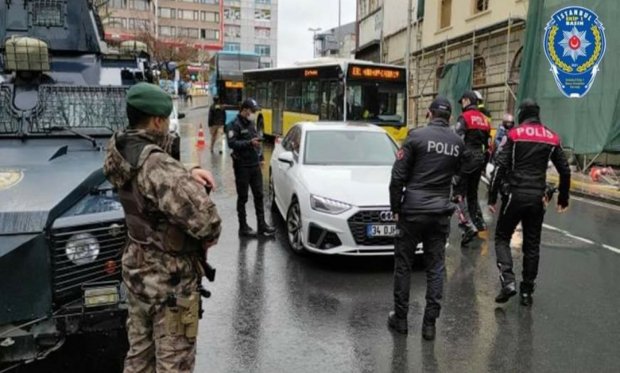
pixel 585 240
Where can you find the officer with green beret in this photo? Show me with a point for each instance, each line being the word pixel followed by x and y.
pixel 170 220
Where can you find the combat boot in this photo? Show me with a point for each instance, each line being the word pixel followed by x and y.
pixel 266 230
pixel 526 289
pixel 245 230
pixel 508 291
pixel 397 324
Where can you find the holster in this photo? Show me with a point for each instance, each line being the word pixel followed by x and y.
pixel 182 316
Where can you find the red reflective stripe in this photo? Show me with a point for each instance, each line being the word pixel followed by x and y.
pixel 534 133
pixel 475 120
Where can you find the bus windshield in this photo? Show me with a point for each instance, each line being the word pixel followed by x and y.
pixel 384 102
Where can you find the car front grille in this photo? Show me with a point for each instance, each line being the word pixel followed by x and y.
pixel 68 277
pixel 358 223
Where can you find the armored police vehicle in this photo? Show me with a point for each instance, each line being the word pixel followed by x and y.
pixel 61 226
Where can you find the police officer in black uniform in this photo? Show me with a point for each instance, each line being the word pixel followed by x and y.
pixel 247 156
pixel 420 199
pixel 475 129
pixel 521 176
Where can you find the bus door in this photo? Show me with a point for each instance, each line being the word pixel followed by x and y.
pixel 277 105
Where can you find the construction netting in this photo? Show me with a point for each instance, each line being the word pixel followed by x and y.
pixel 454 80
pixel 571 66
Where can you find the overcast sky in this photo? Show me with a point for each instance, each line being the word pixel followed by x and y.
pixel 294 19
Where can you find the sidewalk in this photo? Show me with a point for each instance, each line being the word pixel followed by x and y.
pixel 583 186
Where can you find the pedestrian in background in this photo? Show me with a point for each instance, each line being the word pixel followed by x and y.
pixel 216 121
pixel 508 122
pixel 420 199
pixel 521 177
pixel 247 157
pixel 474 128
pixel 171 221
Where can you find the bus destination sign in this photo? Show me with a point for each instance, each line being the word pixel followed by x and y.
pixel 231 84
pixel 376 73
pixel 311 73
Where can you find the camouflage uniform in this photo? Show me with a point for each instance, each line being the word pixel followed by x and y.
pixel 175 213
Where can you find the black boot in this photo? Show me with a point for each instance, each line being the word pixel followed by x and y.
pixel 428 331
pixel 525 292
pixel 266 230
pixel 397 324
pixel 468 236
pixel 245 230
pixel 508 291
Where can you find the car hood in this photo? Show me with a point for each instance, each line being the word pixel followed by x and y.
pixel 356 185
pixel 39 178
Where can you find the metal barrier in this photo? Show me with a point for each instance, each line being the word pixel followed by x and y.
pixel 79 108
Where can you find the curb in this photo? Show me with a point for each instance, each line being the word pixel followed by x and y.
pixel 575 190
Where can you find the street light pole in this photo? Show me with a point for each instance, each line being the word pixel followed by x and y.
pixel 314 30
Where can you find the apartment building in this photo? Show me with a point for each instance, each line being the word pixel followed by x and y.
pixel 194 22
pixel 336 42
pixel 252 26
pixel 484 36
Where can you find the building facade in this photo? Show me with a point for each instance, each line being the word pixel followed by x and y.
pixel 197 23
pixel 489 33
pixel 337 42
pixel 252 26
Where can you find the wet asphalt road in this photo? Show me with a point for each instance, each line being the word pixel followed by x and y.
pixel 274 311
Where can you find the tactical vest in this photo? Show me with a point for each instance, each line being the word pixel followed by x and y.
pixel 475 120
pixel 151 229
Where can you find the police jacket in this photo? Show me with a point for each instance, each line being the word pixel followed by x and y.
pixel 217 115
pixel 521 164
pixel 474 128
pixel 240 134
pixel 423 171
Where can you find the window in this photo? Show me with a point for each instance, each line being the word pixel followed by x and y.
pixel 209 34
pixel 331 101
pixel 262 50
pixel 445 13
pixel 232 47
pixel 293 96
pixel 117 22
pixel 480 6
pixel 209 16
pixel 139 4
pixel 480 71
pixel 232 14
pixel 216 2
pixel 185 32
pixel 167 13
pixel 311 97
pixel 167 31
pixel 232 2
pixel 292 140
pixel 349 147
pixel 118 4
pixel 262 14
pixel 190 15
pixel 263 1
pixel 265 65
pixel 232 31
pixel 262 32
pixel 380 102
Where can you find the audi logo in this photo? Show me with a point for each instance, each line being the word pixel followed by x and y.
pixel 386 216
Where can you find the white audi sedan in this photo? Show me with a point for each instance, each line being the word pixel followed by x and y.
pixel 329 181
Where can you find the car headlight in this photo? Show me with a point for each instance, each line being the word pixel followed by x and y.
pixel 328 206
pixel 82 248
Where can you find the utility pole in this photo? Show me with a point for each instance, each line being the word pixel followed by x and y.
pixel 408 56
pixel 314 30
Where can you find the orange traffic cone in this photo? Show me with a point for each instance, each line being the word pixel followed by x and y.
pixel 201 137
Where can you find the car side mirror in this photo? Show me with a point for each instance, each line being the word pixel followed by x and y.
pixel 181 115
pixel 286 157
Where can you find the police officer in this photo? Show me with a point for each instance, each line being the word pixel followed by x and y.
pixel 170 221
pixel 520 175
pixel 217 120
pixel 420 199
pixel 243 139
pixel 474 128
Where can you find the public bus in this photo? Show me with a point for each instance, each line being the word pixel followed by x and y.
pixel 329 90
pixel 226 80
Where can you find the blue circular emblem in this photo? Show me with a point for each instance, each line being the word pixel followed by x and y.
pixel 574 45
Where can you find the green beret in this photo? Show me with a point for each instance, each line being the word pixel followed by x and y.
pixel 150 99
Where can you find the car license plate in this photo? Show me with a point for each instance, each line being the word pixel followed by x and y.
pixel 381 230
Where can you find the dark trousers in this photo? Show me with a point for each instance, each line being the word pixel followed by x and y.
pixel 245 178
pixel 468 188
pixel 432 231
pixel 528 209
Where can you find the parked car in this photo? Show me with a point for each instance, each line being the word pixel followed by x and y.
pixel 329 181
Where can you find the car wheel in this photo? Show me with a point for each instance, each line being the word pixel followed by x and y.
pixel 294 228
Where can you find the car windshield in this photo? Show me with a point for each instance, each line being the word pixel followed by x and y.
pixel 354 148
